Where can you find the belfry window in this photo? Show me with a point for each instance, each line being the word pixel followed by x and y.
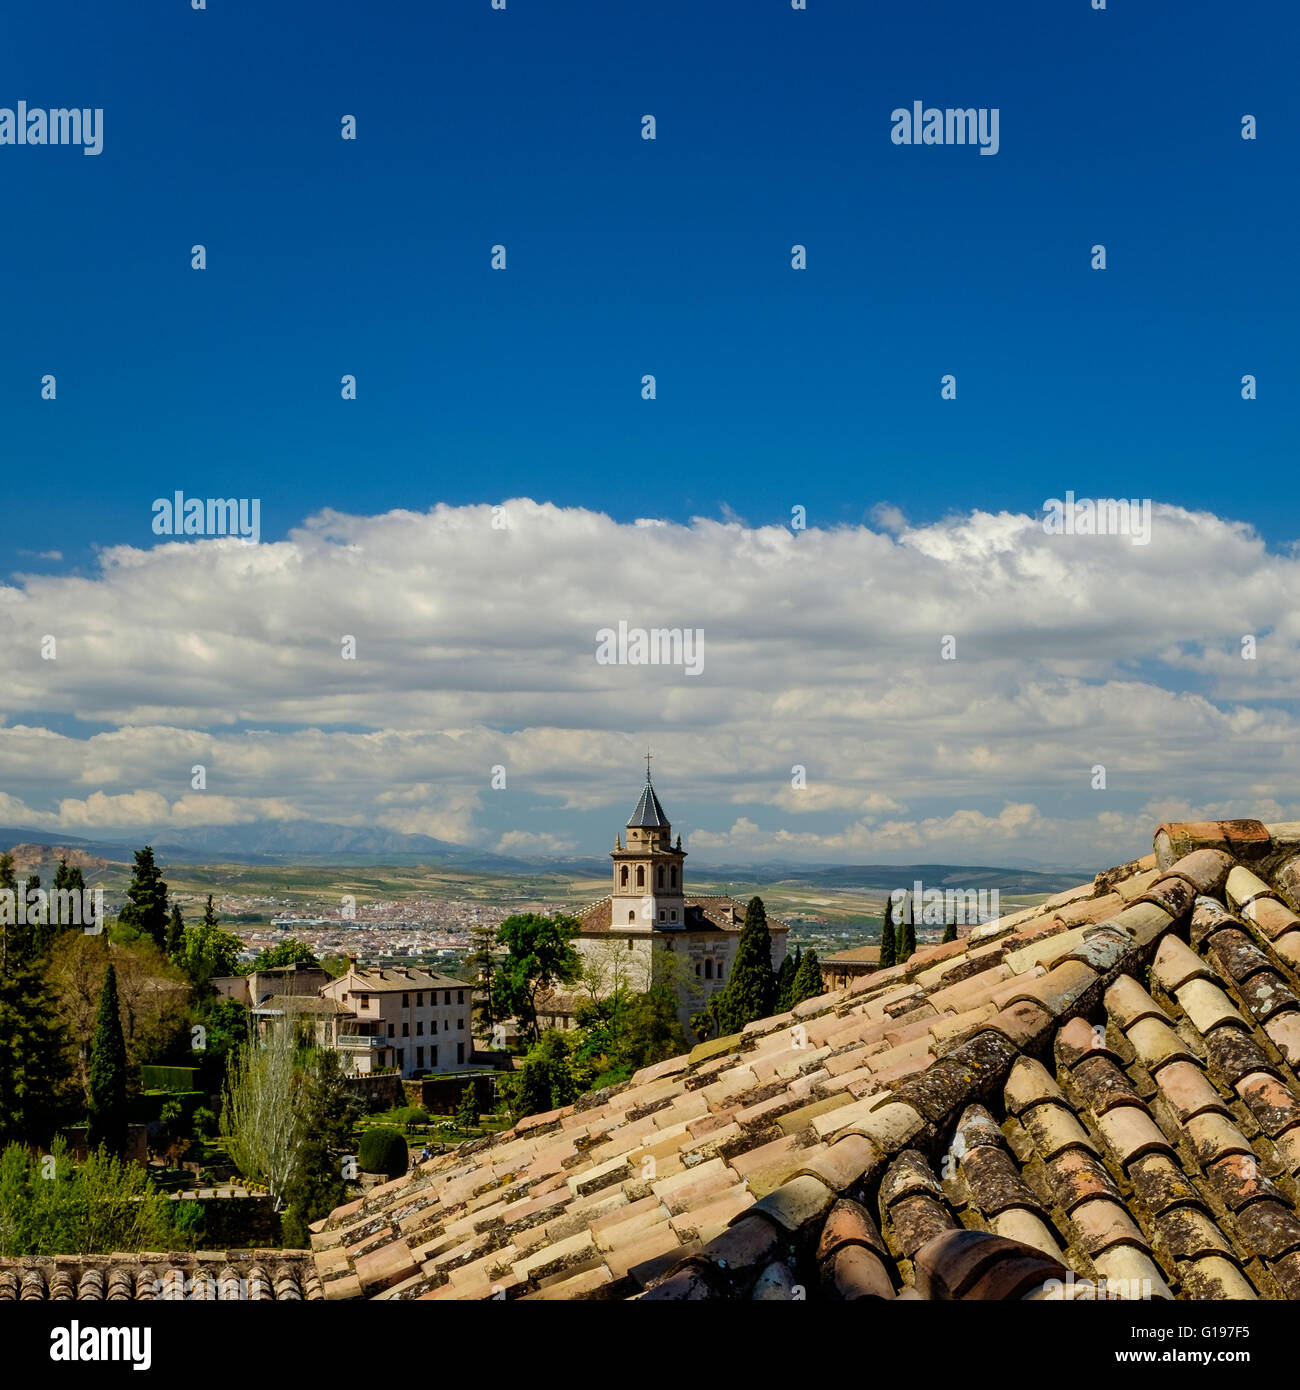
pixel 640 875
pixel 673 880
pixel 622 876
pixel 708 969
pixel 661 876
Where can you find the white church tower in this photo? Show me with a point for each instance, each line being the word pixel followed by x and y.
pixel 649 892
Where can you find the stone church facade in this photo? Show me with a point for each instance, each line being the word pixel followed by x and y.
pixel 649 929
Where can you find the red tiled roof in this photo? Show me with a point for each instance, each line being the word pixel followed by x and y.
pixel 232 1275
pixel 1095 1097
pixel 707 913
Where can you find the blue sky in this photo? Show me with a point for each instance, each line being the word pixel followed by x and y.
pixel 625 257
pixel 776 388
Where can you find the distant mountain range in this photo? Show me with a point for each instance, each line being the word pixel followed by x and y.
pixel 318 842
pixel 280 842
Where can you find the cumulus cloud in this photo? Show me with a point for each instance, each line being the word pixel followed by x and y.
pixel 475 647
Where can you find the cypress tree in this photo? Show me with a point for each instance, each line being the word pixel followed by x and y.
pixel 908 948
pixel 751 991
pixel 785 981
pixel 807 980
pixel 175 931
pixel 108 1072
pixel 950 932
pixel 888 943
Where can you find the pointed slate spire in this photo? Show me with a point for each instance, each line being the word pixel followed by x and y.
pixel 649 814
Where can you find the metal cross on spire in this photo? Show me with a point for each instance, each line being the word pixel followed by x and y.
pixel 647 766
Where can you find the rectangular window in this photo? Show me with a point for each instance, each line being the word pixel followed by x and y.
pixel 446 996
pixel 419 1001
pixel 406 1001
pixel 401 1056
pixel 460 1023
pixel 433 1056
pixel 390 1030
pixel 382 1055
pixel 406 1030
pixel 419 1028
pixel 460 996
pixel 419 1056
pixel 434 1026
pixel 460 1052
pixel 364 1000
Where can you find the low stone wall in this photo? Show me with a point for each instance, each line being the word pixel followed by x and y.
pixel 378 1092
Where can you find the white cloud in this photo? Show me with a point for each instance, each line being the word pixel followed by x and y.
pixel 534 842
pixel 475 647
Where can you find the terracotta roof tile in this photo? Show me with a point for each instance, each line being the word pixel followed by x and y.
pixel 1117 1153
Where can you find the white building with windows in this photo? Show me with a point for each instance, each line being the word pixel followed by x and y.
pixel 415 1020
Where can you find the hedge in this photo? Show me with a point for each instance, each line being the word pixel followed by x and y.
pixel 153 1078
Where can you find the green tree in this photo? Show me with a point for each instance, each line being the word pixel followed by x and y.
pixel 785 980
pixel 541 956
pixel 33 1054
pixel 950 932
pixel 888 941
pixel 545 1080
pixel 107 1111
pixel 467 1110
pixel 260 1120
pixel 226 1025
pixel 175 932
pixel 67 884
pixel 206 951
pixel 907 946
pixel 146 899
pixel 15 937
pixel 291 951
pixel 327 1115
pixel 651 1031
pixel 807 980
pixel 751 991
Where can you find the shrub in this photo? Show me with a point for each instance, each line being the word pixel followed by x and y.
pixel 189 1217
pixel 408 1115
pixel 382 1150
